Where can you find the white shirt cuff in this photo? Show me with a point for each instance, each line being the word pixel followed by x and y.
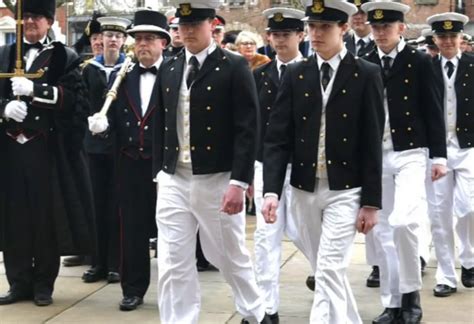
pixel 240 184
pixel 270 194
pixel 441 161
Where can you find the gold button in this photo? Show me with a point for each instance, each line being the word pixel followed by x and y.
pixel 306 94
pixel 172 69
pixel 301 164
pixel 301 77
pixel 167 89
pixel 208 148
pixel 406 81
pixel 343 90
pixel 344 163
pixel 45 93
pixel 166 167
pixel 166 110
pixel 302 140
pixel 405 98
pixel 463 84
pixel 145 128
pixel 467 74
pixel 457 129
pixel 166 148
pixel 268 108
pixel 209 128
pixel 267 123
pixel 407 113
pixel 409 65
pixel 347 186
pixel 411 144
pixel 208 108
pixel 344 115
pixel 177 148
pixel 413 51
pixel 209 88
pixel 467 99
pixel 266 83
pixel 329 162
pixel 314 165
pixel 37 118
pixel 166 128
pixel 300 186
pixel 409 129
pixel 218 69
pixel 193 148
pixel 467 114
pixel 393 130
pixel 269 91
pixel 304 117
pixel 356 74
pixel 469 144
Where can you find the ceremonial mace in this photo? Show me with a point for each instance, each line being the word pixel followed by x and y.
pixel 19 71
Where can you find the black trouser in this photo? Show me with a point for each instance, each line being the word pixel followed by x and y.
pixel 102 170
pixel 137 203
pixel 31 251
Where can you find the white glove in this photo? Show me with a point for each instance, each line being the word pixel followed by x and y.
pixel 98 123
pixel 22 86
pixel 16 110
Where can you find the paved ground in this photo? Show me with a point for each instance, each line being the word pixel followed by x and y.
pixel 76 302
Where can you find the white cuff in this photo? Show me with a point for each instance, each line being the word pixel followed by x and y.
pixel 270 194
pixel 240 184
pixel 441 161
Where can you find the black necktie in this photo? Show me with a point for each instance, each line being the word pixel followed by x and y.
pixel 37 45
pixel 153 70
pixel 361 45
pixel 325 67
pixel 193 71
pixel 386 65
pixel 282 70
pixel 450 67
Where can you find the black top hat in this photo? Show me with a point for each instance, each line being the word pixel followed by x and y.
pixel 45 8
pixel 150 21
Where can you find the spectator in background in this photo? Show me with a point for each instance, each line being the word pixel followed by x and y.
pixel 247 46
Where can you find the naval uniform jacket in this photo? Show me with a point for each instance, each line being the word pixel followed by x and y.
pixel 349 40
pixel 223 116
pixel 267 81
pixel 354 127
pixel 133 129
pixel 414 102
pixel 464 85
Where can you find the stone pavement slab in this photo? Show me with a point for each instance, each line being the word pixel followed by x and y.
pixel 78 303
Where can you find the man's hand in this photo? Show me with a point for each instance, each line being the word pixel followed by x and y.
pixel 22 86
pixel 233 200
pixel 16 110
pixel 438 171
pixel 366 219
pixel 269 209
pixel 98 123
pixel 250 192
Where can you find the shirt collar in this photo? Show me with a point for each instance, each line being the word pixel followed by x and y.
pixel 454 60
pixel 367 39
pixel 157 63
pixel 202 55
pixel 333 61
pixel 41 41
pixel 298 58
pixel 393 54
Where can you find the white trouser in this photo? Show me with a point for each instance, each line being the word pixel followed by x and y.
pixel 330 218
pixel 186 202
pixel 268 237
pixel 448 196
pixel 403 203
pixel 370 249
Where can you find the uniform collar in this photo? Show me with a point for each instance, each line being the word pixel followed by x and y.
pixel 393 54
pixel 367 39
pixel 454 60
pixel 43 40
pixel 202 55
pixel 157 63
pixel 333 61
pixel 298 58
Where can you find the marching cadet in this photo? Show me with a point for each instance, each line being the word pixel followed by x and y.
pixel 413 123
pixel 45 182
pixel 332 135
pixel 176 44
pixel 359 41
pixel 131 117
pixel 286 32
pixel 219 31
pixel 429 44
pixel 466 39
pixel 100 150
pixel 204 147
pixel 450 195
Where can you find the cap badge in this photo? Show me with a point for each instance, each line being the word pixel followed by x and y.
pixel 278 17
pixel 378 14
pixel 185 9
pixel 318 6
pixel 448 25
pixel 358 3
pixel 87 31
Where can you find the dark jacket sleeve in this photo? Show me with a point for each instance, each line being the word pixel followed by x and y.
pixel 372 129
pixel 432 109
pixel 278 142
pixel 245 115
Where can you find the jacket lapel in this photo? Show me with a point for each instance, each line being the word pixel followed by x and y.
pixel 273 74
pixel 345 70
pixel 463 64
pixel 438 71
pixel 209 64
pixel 41 60
pixel 399 62
pixel 133 91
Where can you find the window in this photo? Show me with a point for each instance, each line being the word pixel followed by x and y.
pixel 10 38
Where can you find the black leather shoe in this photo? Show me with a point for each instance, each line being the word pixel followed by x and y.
pixel 208 267
pixel 388 316
pixel 310 283
pixel 74 261
pixel 12 297
pixel 267 319
pixel 373 280
pixel 423 266
pixel 130 303
pixel 113 277
pixel 467 277
pixel 275 318
pixel 411 312
pixel 94 274
pixel 443 291
pixel 43 300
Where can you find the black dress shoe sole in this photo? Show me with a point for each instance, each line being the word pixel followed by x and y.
pixel 130 307
pixel 43 302
pixel 444 293
pixel 372 284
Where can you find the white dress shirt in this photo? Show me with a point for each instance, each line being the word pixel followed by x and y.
pixel 147 82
